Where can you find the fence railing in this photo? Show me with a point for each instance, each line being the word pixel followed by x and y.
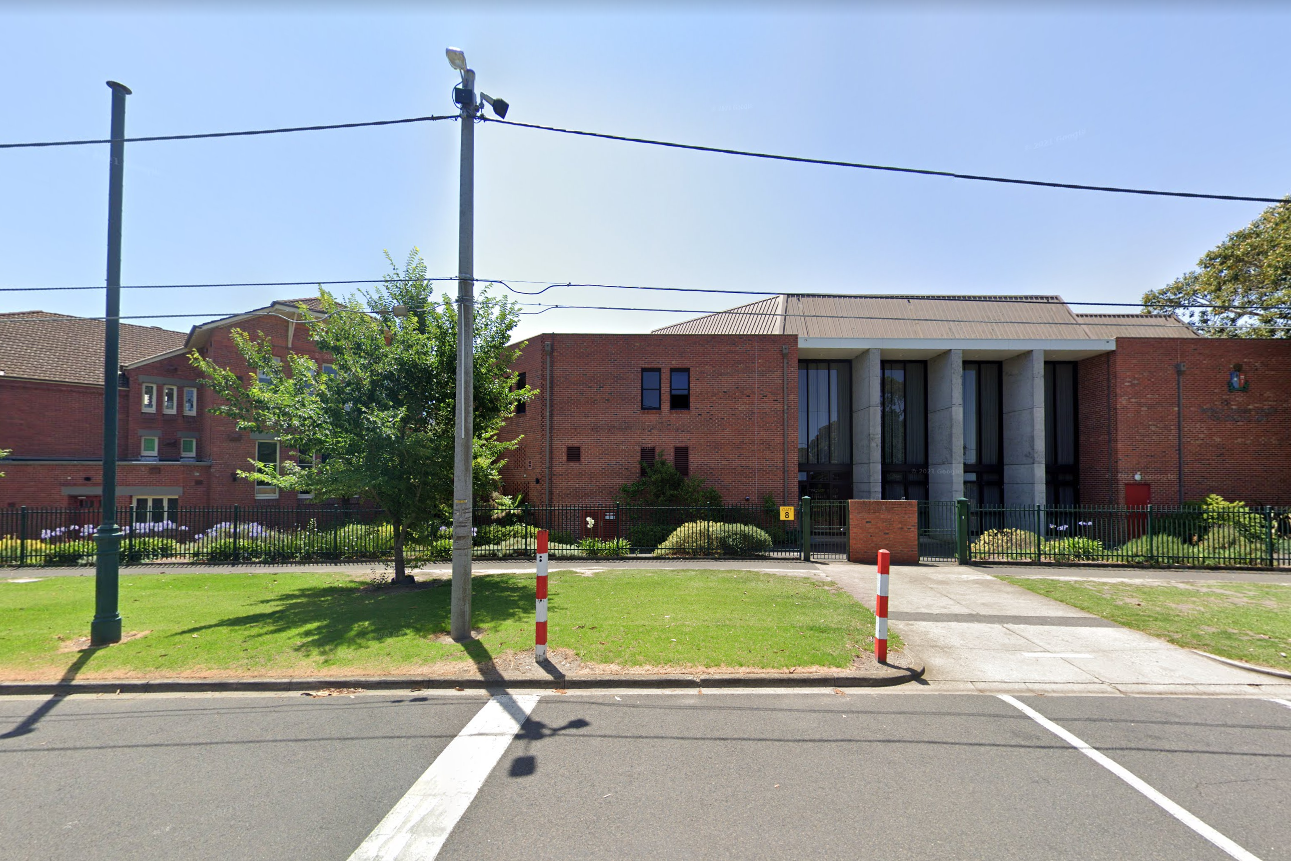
pixel 1153 535
pixel 272 534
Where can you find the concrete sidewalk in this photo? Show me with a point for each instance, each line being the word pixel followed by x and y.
pixel 975 632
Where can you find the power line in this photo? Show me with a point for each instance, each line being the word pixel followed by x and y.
pixel 204 286
pixel 280 131
pixel 889 168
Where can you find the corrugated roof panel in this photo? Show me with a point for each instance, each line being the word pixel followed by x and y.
pixel 1136 326
pixel 932 317
pixel 762 317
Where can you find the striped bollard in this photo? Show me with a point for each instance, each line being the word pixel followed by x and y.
pixel 881 611
pixel 540 628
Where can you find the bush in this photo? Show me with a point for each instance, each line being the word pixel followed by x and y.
pixel 661 484
pixel 1005 544
pixel 142 549
pixel 11 550
pixel 1233 520
pixel 69 552
pixel 1075 548
pixel 707 538
pixel 1162 550
pixel 648 536
pixel 613 548
pixel 1222 547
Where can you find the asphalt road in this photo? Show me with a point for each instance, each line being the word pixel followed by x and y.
pixel 867 774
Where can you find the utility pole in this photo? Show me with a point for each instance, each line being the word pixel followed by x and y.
pixel 106 626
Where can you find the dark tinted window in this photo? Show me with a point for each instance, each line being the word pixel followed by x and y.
pixel 650 378
pixel 574 454
pixel 681 459
pixel 520 384
pixel 679 389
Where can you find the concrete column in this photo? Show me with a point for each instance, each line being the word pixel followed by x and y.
pixel 867 426
pixel 946 425
pixel 1024 429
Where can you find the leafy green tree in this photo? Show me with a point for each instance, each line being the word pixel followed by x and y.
pixel 381 426
pixel 1247 278
pixel 662 484
pixel 4 452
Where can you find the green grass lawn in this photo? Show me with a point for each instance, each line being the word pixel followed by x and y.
pixel 291 624
pixel 1245 621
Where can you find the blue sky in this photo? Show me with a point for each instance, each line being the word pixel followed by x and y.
pixel 1188 97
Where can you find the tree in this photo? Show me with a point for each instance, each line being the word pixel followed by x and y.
pixel 661 484
pixel 1247 278
pixel 4 452
pixel 381 426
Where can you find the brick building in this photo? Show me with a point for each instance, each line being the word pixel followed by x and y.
pixel 171 450
pixel 1012 400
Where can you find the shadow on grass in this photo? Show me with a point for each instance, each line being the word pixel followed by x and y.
pixel 323 619
pixel 28 724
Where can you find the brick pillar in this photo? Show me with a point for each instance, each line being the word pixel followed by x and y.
pixel 883 524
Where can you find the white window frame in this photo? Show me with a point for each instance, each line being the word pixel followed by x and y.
pixel 170 400
pixel 169 505
pixel 189 443
pixel 187 391
pixel 304 461
pixel 267 491
pixel 329 370
pixel 156 447
pixel 147 397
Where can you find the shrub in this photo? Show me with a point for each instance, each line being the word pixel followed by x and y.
pixel 142 549
pixel 1069 549
pixel 1223 548
pixel 707 538
pixel 11 550
pixel 661 484
pixel 69 552
pixel 1162 550
pixel 648 536
pixel 1004 544
pixel 1232 520
pixel 613 548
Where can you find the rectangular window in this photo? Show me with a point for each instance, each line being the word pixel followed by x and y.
pixel 905 430
pixel 304 461
pixel 156 509
pixel 149 392
pixel 573 454
pixel 329 371
pixel 148 447
pixel 1061 407
pixel 647 457
pixel 188 449
pixel 520 384
pixel 190 401
pixel 681 459
pixel 983 441
pixel 650 378
pixel 262 377
pixel 679 389
pixel 825 429
pixel 267 455
pixel 169 400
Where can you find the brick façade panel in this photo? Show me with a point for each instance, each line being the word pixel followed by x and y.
pixel 887 524
pixel 741 428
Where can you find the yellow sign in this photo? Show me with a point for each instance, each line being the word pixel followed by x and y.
pixel 786 512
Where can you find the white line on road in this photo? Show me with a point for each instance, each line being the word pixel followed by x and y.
pixel 1281 702
pixel 418 825
pixel 1135 781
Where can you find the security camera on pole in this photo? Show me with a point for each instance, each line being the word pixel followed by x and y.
pixel 463 493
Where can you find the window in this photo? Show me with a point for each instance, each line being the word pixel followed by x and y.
pixel 573 454
pixel 681 459
pixel 156 509
pixel 520 384
pixel 148 447
pixel 983 442
pixel 1061 444
pixel 647 457
pixel 267 455
pixel 329 371
pixel 905 430
pixel 169 400
pixel 149 392
pixel 262 377
pixel 304 461
pixel 190 401
pixel 679 389
pixel 825 429
pixel 188 449
pixel 650 378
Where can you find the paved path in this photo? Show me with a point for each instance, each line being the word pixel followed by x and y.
pixel 898 774
pixel 971 629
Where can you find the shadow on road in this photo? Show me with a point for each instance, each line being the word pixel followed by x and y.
pixel 28 724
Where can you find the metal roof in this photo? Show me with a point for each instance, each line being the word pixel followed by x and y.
pixel 978 318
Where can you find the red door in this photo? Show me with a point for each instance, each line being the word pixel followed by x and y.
pixel 1138 496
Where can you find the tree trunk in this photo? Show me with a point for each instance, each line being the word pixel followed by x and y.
pixel 400 572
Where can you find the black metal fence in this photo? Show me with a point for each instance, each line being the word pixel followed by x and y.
pixel 271 534
pixel 1223 535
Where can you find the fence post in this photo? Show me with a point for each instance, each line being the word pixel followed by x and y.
pixel 961 531
pixel 1039 530
pixel 1152 541
pixel 1268 533
pixel 881 610
pixel 540 601
pixel 336 531
pixel 805 505
pixel 22 537
pixel 237 554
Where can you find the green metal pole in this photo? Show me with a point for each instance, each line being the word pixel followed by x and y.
pixel 1039 530
pixel 961 530
pixel 106 625
pixel 806 528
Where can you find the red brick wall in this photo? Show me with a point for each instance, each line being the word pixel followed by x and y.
pixel 735 426
pixel 44 419
pixel 1096 429
pixel 39 485
pixel 1236 444
pixel 891 525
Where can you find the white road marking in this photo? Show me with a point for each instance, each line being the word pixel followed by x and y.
pixel 418 825
pixel 1281 702
pixel 1219 840
pixel 1056 655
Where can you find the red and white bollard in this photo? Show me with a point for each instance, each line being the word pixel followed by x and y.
pixel 540 628
pixel 881 610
